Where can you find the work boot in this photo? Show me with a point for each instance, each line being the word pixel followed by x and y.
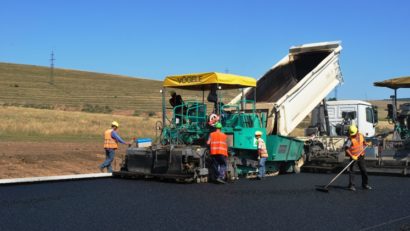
pixel 101 169
pixel 367 187
pixel 352 188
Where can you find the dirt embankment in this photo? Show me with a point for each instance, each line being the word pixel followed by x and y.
pixel 31 159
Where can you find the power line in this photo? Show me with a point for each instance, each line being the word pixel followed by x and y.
pixel 52 68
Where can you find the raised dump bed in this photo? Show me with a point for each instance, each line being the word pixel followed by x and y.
pixel 296 84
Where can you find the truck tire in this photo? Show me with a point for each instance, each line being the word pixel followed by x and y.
pixel 299 163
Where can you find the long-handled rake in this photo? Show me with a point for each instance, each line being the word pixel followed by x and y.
pixel 325 188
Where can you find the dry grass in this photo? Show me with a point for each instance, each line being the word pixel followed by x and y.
pixel 30 85
pixel 20 123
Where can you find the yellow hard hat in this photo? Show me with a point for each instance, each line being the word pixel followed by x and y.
pixel 352 130
pixel 115 123
pixel 172 92
pixel 258 133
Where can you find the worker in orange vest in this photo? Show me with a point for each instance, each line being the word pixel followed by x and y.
pixel 262 154
pixel 354 147
pixel 219 152
pixel 111 140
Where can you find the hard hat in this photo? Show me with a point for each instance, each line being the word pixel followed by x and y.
pixel 352 130
pixel 115 123
pixel 258 133
pixel 218 125
pixel 172 92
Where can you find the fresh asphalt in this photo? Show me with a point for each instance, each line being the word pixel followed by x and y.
pixel 284 202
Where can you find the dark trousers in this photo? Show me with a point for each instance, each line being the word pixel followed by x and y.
pixel 362 166
pixel 218 166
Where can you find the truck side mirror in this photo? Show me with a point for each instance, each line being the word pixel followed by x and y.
pixel 376 115
pixel 352 115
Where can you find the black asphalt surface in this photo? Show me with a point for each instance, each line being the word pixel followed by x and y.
pixel 285 202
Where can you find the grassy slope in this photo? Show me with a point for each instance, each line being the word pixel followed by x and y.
pixel 25 84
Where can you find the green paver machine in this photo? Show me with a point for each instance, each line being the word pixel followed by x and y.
pixel 181 152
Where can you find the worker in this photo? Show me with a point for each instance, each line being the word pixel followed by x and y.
pixel 262 154
pixel 218 152
pixel 355 149
pixel 213 97
pixel 176 101
pixel 111 140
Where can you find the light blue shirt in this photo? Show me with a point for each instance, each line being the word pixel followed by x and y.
pixel 116 137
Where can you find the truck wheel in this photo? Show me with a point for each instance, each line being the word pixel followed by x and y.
pixel 203 179
pixel 299 163
pixel 296 169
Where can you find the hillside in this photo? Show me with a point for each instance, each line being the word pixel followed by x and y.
pixel 29 86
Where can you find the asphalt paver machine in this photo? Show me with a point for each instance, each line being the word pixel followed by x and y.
pixel 181 152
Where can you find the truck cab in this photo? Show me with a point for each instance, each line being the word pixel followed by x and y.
pixel 342 114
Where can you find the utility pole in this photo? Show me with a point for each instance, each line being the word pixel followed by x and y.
pixel 52 68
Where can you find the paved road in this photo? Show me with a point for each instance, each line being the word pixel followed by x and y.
pixel 286 202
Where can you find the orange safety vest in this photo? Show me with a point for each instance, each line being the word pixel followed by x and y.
pixel 357 147
pixel 262 148
pixel 218 143
pixel 109 142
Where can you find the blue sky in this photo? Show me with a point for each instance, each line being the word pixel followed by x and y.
pixel 155 38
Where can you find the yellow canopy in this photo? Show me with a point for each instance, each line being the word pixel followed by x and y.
pixel 402 82
pixel 203 81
